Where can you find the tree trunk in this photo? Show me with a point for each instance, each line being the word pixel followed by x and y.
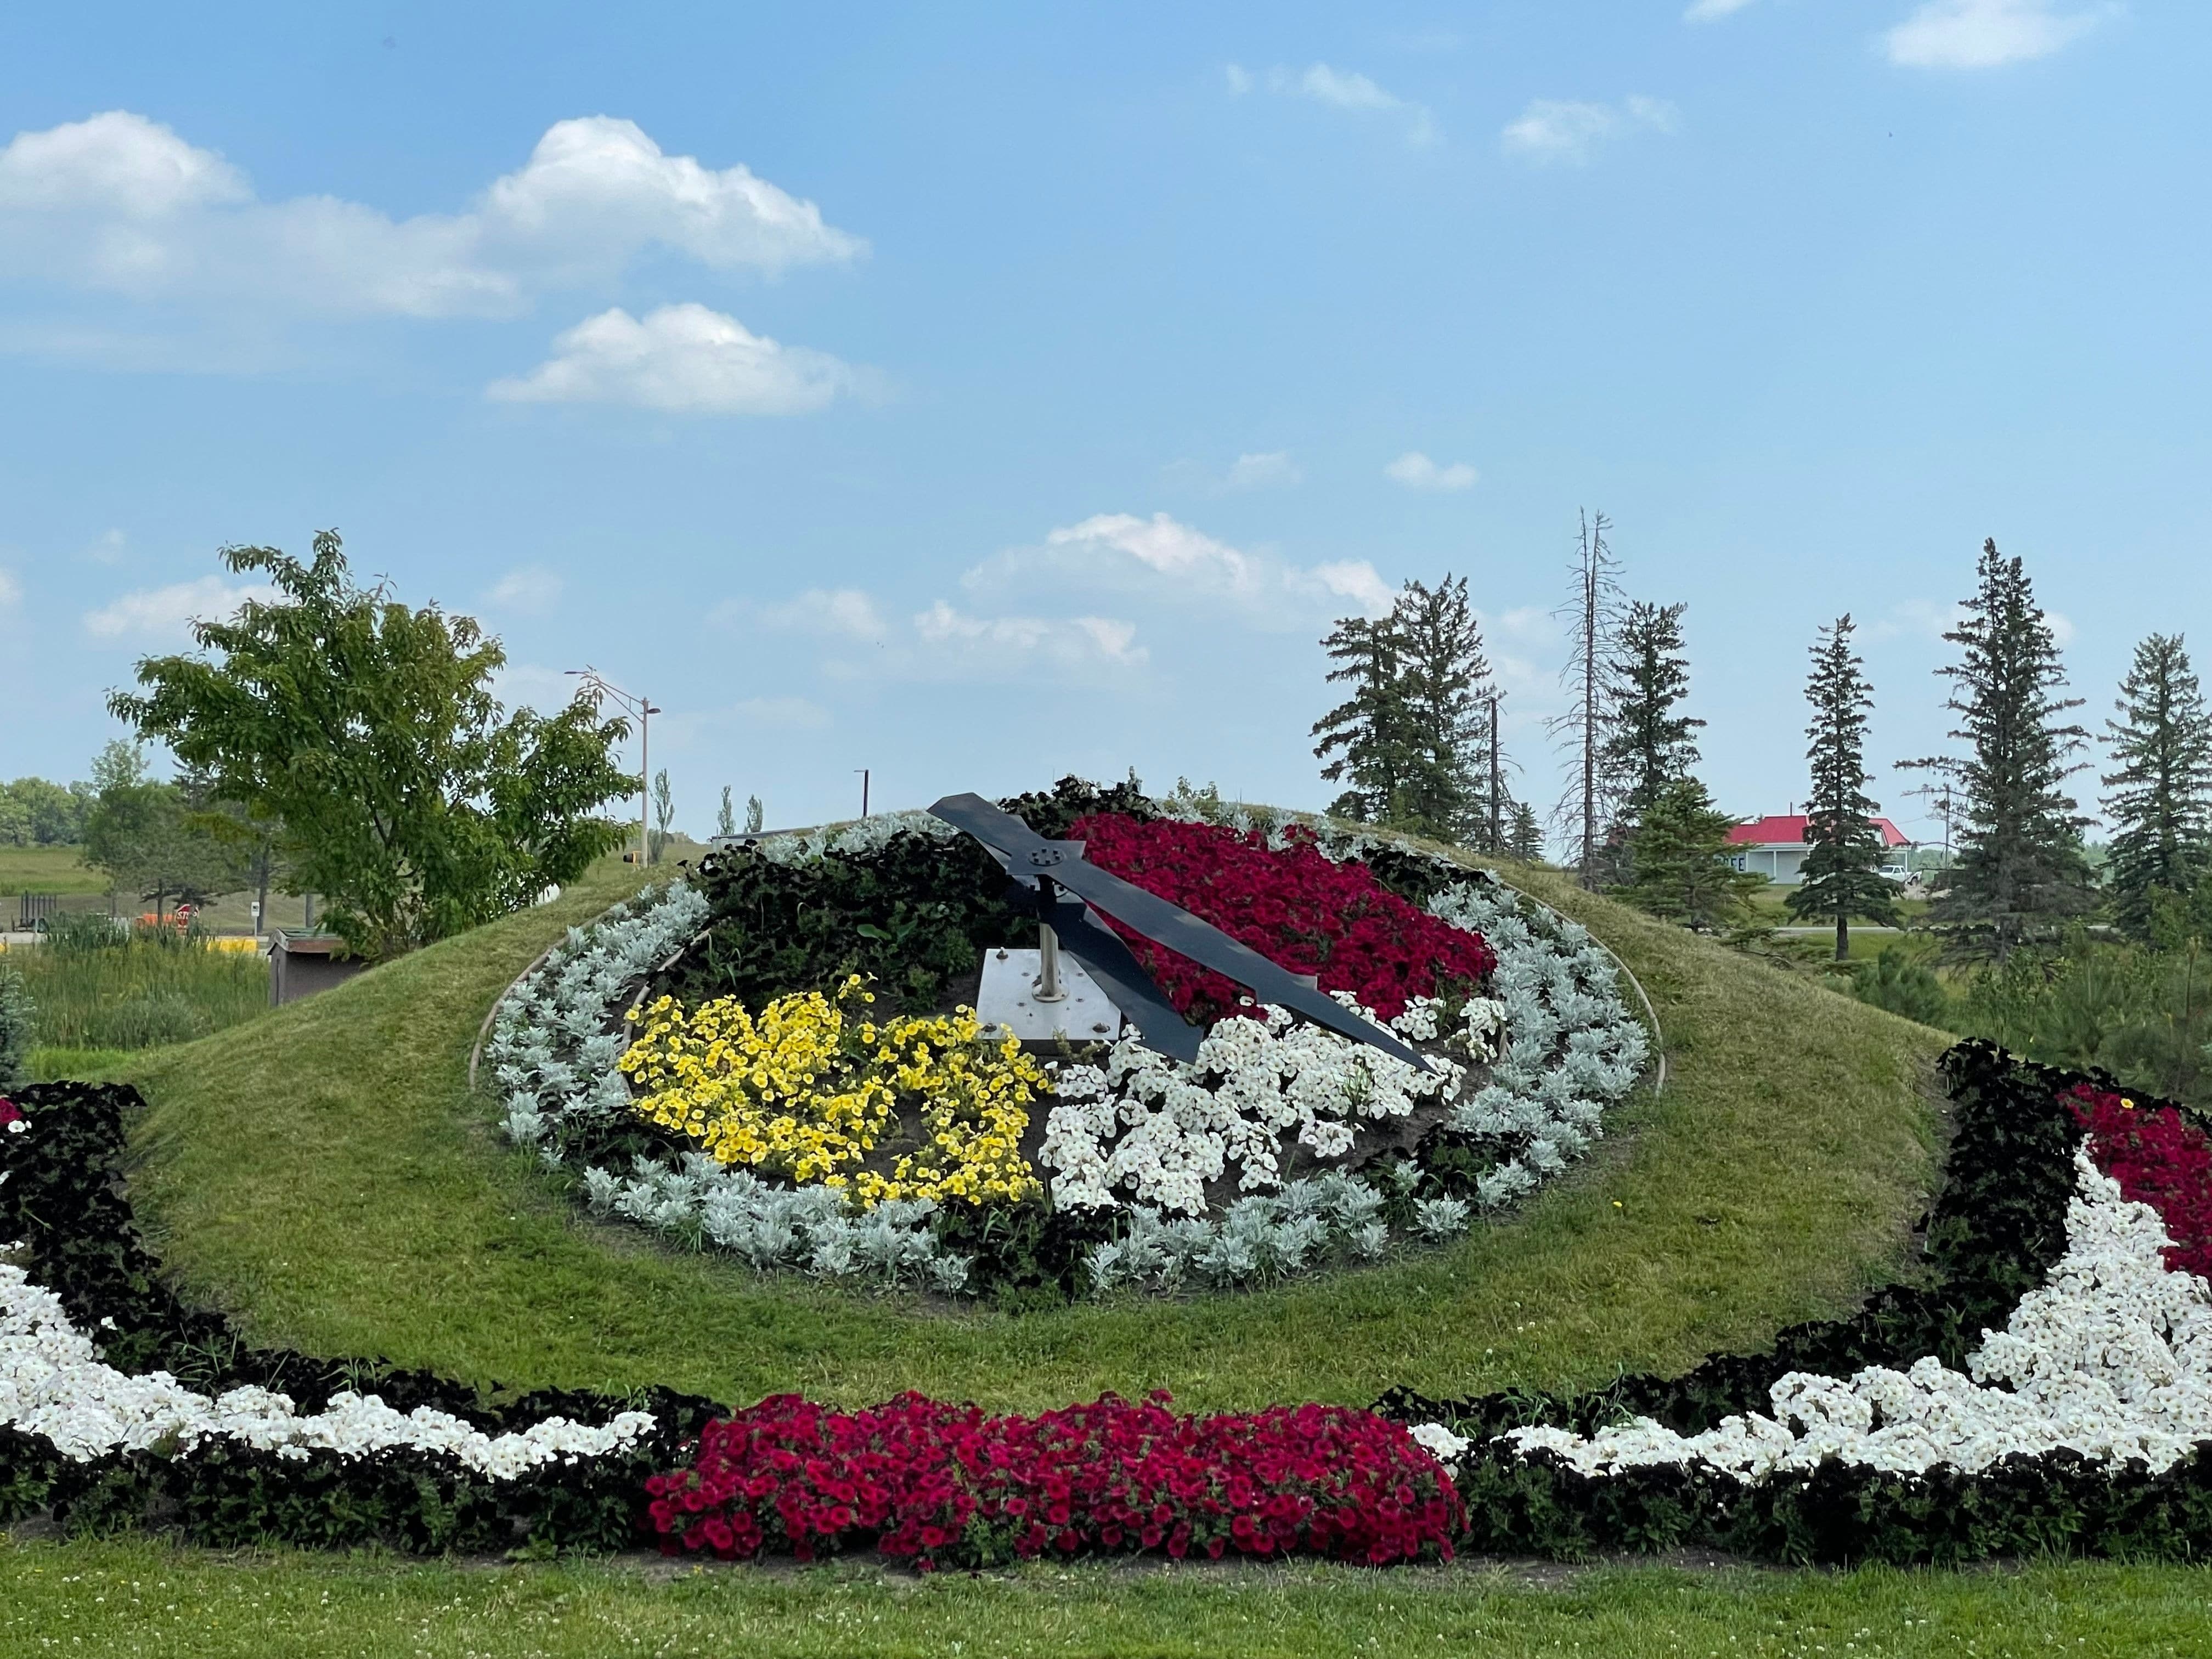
pixel 1842 937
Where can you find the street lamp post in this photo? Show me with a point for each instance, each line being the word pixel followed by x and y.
pixel 595 685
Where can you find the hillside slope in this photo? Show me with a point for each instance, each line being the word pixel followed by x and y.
pixel 323 1173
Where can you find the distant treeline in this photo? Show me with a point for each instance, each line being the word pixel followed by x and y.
pixel 35 812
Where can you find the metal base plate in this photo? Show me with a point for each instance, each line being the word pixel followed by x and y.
pixel 1008 1002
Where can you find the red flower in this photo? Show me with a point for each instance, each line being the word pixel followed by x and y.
pixel 1296 906
pixel 2158 1160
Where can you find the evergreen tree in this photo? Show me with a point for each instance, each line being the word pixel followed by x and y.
pixel 1649 744
pixel 1444 693
pixel 1591 614
pixel 726 820
pixel 1367 739
pixel 755 815
pixel 2159 797
pixel 1524 836
pixel 1682 868
pixel 1843 874
pixel 2020 875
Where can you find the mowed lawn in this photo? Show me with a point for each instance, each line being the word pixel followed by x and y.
pixel 143 1599
pixel 323 1173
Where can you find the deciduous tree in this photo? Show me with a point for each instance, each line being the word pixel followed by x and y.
pixel 411 801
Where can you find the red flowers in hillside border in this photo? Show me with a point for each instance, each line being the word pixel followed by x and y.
pixel 940 1485
pixel 1296 908
pixel 11 1117
pixel 2158 1160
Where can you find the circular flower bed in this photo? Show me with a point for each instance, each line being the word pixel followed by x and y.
pixel 778 1057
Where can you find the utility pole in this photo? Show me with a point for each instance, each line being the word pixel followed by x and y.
pixel 1496 790
pixel 863 771
pixel 599 689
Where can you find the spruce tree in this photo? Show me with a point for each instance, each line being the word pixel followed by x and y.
pixel 1444 693
pixel 1591 613
pixel 2020 875
pixel 2160 794
pixel 1843 874
pixel 1649 744
pixel 1681 861
pixel 1367 739
pixel 1524 836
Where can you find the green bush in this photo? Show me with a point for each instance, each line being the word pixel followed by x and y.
pixel 1899 980
pixel 16 1012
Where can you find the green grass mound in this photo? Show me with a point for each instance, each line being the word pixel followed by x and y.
pixel 323 1174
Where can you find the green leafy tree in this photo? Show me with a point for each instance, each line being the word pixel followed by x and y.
pixel 2019 876
pixel 35 812
pixel 2159 796
pixel 1368 740
pixel 726 820
pixel 148 840
pixel 409 800
pixel 663 813
pixel 755 815
pixel 1843 877
pixel 1649 744
pixel 1682 868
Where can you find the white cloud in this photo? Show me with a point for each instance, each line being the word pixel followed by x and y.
pixel 787 713
pixel 120 203
pixel 525 685
pixel 1344 89
pixel 1262 471
pixel 951 640
pixel 682 358
pixel 11 591
pixel 530 589
pixel 167 613
pixel 1164 559
pixel 1417 471
pixel 1985 33
pixel 108 548
pixel 1552 130
pixel 1239 79
pixel 836 612
pixel 1706 11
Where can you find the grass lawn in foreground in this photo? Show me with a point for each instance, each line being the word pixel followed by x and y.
pixel 139 1598
pixel 323 1172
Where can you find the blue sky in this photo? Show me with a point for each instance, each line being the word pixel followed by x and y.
pixel 981 394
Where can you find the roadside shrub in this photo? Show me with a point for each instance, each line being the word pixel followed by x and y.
pixel 1901 981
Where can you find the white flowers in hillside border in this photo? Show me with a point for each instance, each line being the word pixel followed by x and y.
pixel 2110 1358
pixel 1172 1127
pixel 1570 1051
pixel 54 1382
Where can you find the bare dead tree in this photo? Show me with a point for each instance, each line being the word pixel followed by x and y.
pixel 1592 614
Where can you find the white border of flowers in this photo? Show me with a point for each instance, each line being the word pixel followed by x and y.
pixel 1570 1050
pixel 2112 1358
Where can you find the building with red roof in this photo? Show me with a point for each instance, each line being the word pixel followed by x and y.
pixel 1774 847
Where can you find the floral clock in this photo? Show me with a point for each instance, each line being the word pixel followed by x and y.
pixel 778 1057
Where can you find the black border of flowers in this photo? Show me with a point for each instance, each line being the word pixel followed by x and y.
pixel 1994 1233
pixel 1996 1230
pixel 62 1198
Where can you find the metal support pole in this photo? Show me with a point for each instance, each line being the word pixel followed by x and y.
pixel 1049 988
